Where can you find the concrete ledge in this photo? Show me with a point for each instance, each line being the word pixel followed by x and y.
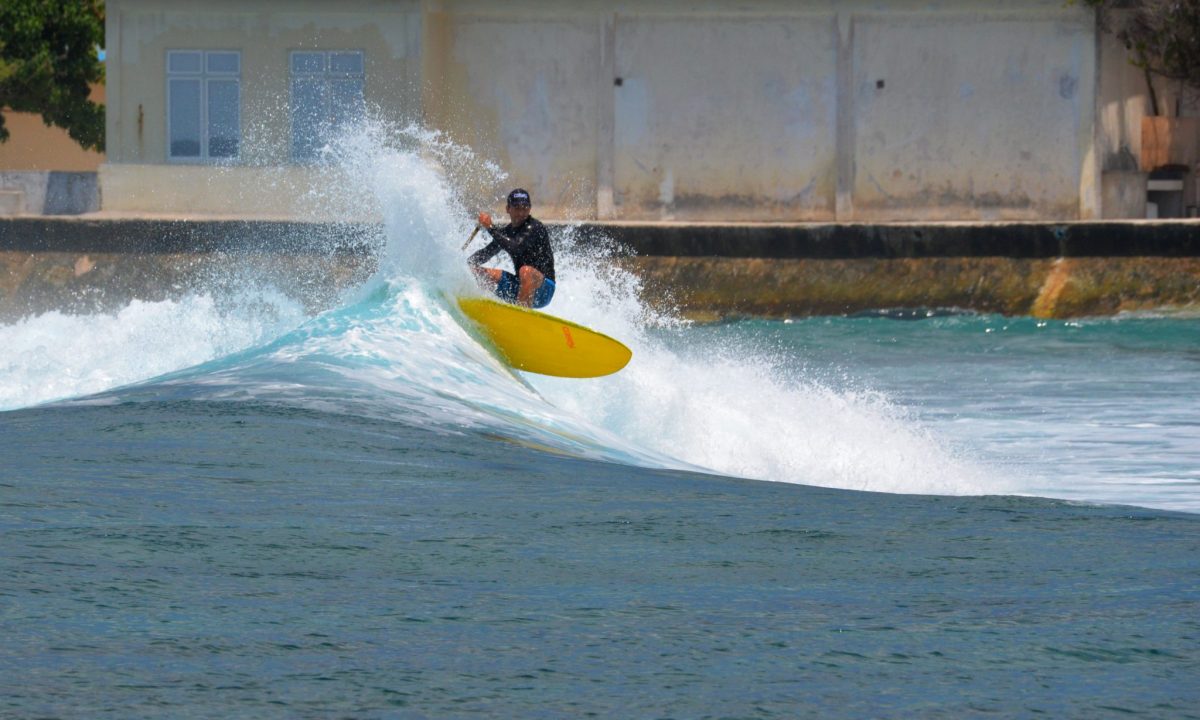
pixel 1163 238
pixel 703 271
pixel 907 240
pixel 148 236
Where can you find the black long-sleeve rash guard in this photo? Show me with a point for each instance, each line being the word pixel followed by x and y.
pixel 526 244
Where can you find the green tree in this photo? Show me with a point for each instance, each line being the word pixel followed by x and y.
pixel 1163 37
pixel 48 62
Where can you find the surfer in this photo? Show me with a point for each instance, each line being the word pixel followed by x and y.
pixel 528 244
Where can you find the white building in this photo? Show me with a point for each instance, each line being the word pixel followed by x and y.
pixel 760 110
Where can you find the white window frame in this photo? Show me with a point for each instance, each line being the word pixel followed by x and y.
pixel 205 76
pixel 326 76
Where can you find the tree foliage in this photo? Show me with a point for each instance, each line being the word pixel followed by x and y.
pixel 48 62
pixel 1163 36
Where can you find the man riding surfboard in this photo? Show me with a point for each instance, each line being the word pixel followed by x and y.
pixel 528 245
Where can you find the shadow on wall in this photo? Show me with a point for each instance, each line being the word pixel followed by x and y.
pixel 49 193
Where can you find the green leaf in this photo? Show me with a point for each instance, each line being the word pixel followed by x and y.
pixel 49 61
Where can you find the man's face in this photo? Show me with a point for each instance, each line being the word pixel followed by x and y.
pixel 518 213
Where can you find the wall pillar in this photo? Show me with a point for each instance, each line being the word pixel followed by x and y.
pixel 844 28
pixel 606 118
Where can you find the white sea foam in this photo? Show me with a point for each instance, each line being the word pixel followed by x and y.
pixel 741 411
pixel 55 355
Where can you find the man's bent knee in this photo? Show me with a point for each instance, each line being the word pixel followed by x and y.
pixel 530 275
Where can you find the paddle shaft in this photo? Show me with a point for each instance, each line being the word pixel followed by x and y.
pixel 473 234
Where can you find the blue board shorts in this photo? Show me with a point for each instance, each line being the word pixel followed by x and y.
pixel 509 286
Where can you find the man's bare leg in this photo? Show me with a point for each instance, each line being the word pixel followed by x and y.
pixel 531 279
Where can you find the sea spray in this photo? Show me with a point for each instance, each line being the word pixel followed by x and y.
pixel 736 410
pixel 393 348
pixel 421 186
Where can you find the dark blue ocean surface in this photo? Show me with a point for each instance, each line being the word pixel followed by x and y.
pixel 167 557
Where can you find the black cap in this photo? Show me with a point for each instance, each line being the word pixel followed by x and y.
pixel 519 196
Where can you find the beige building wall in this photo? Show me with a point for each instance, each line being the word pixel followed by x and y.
pixel 740 125
pixel 634 111
pixel 522 91
pixel 263 181
pixel 772 110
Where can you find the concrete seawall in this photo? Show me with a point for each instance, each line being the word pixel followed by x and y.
pixel 707 271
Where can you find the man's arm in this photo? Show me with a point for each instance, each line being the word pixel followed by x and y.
pixel 506 236
pixel 487 252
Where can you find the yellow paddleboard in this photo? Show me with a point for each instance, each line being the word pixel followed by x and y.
pixel 539 343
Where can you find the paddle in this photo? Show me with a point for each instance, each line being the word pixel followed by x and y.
pixel 473 234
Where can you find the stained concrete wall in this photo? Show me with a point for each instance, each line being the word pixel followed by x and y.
pixel 42 170
pixel 708 288
pixel 964 115
pixel 809 110
pixel 700 288
pixel 49 193
pixel 775 110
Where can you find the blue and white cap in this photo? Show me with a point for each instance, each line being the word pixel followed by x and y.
pixel 520 196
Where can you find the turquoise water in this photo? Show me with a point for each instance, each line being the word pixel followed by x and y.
pixel 219 506
pixel 1097 409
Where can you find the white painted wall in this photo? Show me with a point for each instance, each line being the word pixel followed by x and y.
pixel 139 178
pixel 724 110
pixel 725 118
pixel 770 110
pixel 971 115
